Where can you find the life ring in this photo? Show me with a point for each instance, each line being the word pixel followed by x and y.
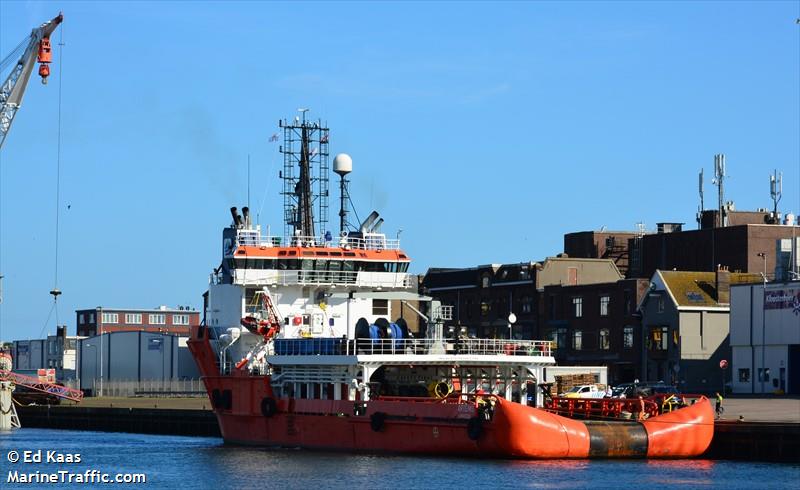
pixel 226 399
pixel 216 398
pixel 268 407
pixel 377 420
pixel 474 428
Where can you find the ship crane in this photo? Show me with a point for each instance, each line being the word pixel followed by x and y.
pixel 33 49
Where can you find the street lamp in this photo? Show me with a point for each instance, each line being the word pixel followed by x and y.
pixel 763 255
pixel 512 319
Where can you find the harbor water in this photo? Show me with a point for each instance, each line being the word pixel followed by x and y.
pixel 194 462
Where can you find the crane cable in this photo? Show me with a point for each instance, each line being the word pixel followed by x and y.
pixel 55 291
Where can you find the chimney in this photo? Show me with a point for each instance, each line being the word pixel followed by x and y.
pixel 723 285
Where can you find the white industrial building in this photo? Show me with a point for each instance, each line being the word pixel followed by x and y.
pixel 133 357
pixel 766 360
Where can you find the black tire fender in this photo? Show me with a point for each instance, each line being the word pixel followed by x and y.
pixel 474 428
pixel 268 407
pixel 226 399
pixel 377 421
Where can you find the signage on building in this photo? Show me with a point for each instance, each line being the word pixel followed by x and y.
pixel 780 299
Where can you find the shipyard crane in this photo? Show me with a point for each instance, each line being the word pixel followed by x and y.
pixel 33 49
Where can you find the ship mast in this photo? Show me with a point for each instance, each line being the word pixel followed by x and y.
pixel 305 147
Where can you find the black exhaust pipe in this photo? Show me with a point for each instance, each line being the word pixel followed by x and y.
pixel 237 220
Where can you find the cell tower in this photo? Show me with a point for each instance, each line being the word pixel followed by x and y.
pixel 702 204
pixel 305 178
pixel 776 192
pixel 719 177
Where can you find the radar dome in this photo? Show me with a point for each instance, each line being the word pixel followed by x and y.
pixel 342 164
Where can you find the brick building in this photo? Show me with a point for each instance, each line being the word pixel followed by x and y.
pixel 602 244
pixel 177 321
pixel 482 297
pixel 596 325
pixel 736 247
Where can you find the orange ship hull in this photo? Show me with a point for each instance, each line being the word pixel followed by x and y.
pixel 432 427
pixel 249 413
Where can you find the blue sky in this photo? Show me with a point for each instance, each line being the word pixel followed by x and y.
pixel 485 131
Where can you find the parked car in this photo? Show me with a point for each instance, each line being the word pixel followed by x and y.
pixel 586 391
pixel 632 390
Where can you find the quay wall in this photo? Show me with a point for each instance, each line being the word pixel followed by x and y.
pixel 756 441
pixel 199 423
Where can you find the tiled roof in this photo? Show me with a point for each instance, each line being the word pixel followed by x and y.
pixel 699 288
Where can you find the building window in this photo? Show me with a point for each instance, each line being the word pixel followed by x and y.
pixel 91 317
pixel 661 304
pixel 627 337
pixel 184 319
pixel 744 375
pixel 81 318
pixel 485 282
pixel 559 337
pixel 577 305
pixel 379 307
pixel 526 304
pixel 486 307
pixel 52 347
pixel 157 319
pixel 605 339
pixel 577 340
pixel 658 338
pixel 133 318
pixel 763 374
pixel 627 301
pixel 552 307
pixel 110 318
pixel 604 300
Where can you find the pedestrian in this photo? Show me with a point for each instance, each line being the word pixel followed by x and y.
pixel 719 408
pixel 642 413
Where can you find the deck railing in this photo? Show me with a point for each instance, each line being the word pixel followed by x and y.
pixel 320 278
pixel 463 347
pixel 376 241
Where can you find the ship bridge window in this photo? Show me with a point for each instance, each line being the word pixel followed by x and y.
pixel 288 264
pixel 336 254
pixel 349 254
pixel 348 266
pixel 308 254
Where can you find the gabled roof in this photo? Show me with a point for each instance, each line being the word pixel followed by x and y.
pixel 699 289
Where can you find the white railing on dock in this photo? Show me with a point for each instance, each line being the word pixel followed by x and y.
pixel 471 347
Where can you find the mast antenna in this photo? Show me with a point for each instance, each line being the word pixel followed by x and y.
pixel 305 178
pixel 719 177
pixel 776 192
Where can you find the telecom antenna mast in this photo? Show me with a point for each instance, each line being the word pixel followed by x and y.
pixel 702 205
pixel 719 174
pixel 305 178
pixel 776 192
